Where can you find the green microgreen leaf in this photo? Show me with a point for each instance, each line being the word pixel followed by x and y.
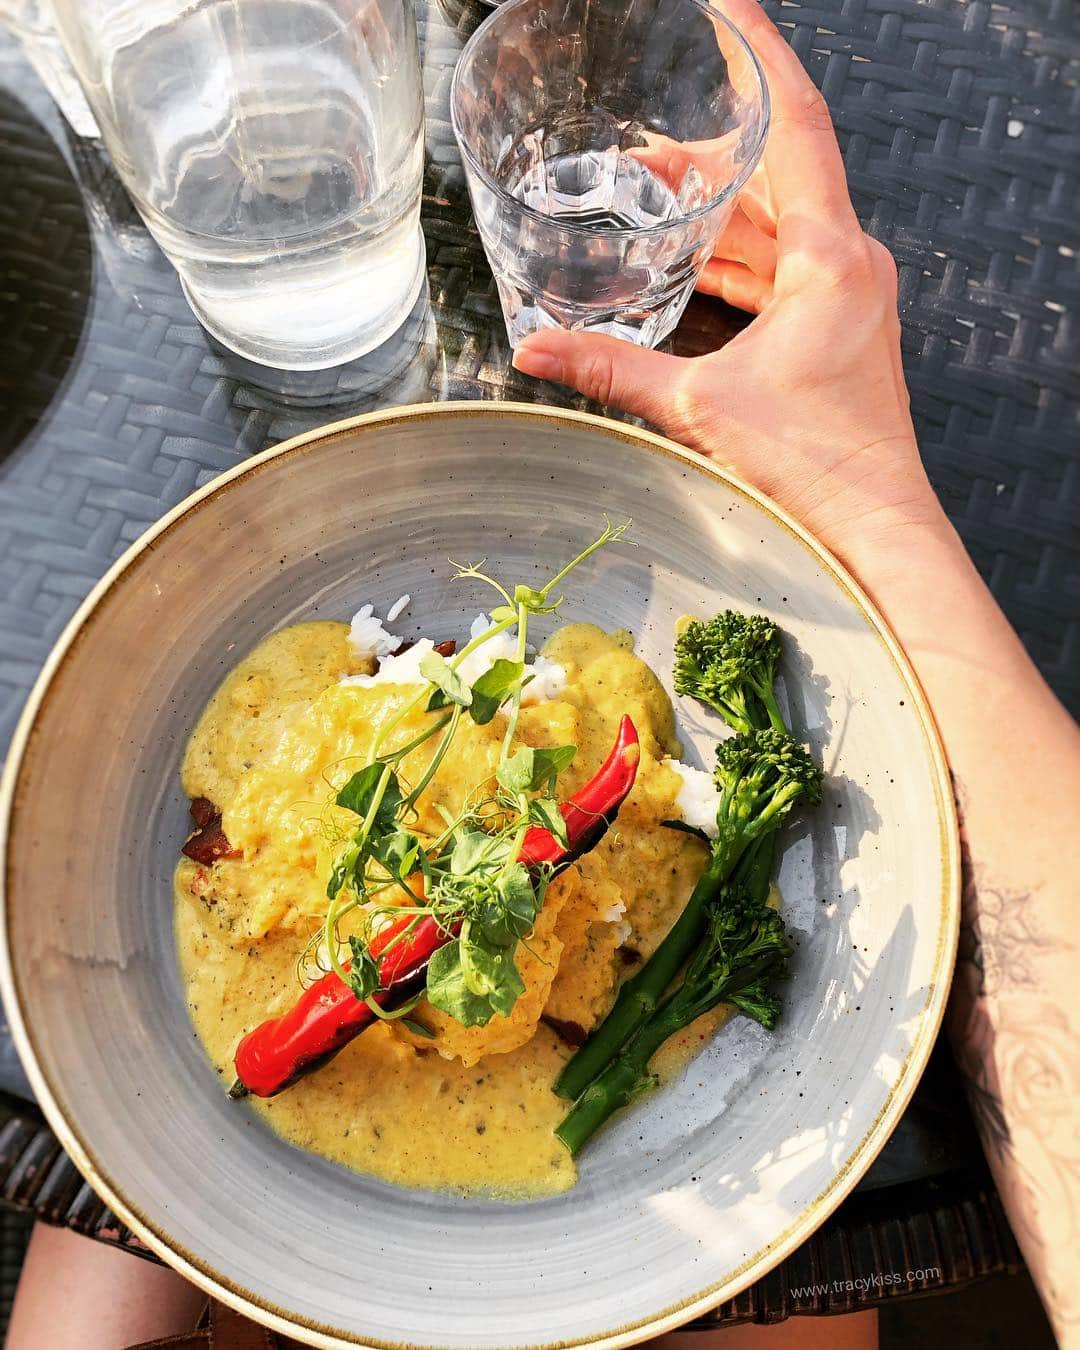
pixel 535 602
pixel 490 972
pixel 418 1028
pixel 473 851
pixel 364 971
pixel 339 874
pixel 398 852
pixel 493 688
pixel 449 686
pixel 549 763
pixel 510 912
pixel 516 771
pixel 529 769
pixel 359 792
pixel 545 813
pixel 447 990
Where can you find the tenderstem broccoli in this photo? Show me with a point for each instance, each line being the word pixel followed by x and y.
pixel 761 777
pixel 729 663
pixel 744 946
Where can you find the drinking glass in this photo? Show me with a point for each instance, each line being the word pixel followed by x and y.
pixel 275 150
pixel 604 143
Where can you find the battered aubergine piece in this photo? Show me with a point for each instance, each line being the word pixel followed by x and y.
pixel 258 698
pixel 283 820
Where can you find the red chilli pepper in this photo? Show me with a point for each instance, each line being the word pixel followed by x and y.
pixel 328 1015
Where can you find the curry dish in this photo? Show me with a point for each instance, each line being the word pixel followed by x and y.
pixel 472 1110
pixel 446 912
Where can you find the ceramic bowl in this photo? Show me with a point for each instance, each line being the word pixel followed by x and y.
pixel 705 1185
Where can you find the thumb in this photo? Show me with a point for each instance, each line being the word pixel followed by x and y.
pixel 605 369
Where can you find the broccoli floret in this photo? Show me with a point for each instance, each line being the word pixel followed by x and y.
pixel 744 946
pixel 761 776
pixel 758 1002
pixel 729 664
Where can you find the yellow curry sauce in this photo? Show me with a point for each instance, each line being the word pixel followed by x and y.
pixel 277 739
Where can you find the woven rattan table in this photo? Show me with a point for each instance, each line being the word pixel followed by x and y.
pixel 960 122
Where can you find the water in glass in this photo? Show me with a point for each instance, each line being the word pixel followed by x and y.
pixel 275 149
pixel 604 145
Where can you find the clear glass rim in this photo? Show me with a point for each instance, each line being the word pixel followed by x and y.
pixel 625 230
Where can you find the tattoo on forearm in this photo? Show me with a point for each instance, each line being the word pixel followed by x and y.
pixel 998 942
pixel 1021 1064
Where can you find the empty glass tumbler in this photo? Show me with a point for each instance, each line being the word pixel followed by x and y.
pixel 275 150
pixel 604 142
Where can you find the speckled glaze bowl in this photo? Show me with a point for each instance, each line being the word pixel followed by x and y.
pixel 705 1185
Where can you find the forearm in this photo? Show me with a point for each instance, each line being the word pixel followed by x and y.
pixel 1015 757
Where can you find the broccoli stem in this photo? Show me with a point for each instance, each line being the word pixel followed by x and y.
pixel 628 1073
pixel 773 716
pixel 622 1080
pixel 639 996
pixel 754 868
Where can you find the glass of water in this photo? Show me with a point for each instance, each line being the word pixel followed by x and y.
pixel 275 150
pixel 604 143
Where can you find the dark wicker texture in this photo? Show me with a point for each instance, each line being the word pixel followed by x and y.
pixel 961 130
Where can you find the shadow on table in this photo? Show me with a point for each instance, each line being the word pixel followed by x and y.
pixel 45 271
pixel 403 370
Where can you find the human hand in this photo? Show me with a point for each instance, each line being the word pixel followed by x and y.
pixel 808 402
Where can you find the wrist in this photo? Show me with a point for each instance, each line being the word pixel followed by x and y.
pixel 918 573
pixel 867 503
pixel 901 547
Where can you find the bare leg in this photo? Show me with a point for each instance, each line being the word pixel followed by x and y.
pixel 855 1331
pixel 76 1294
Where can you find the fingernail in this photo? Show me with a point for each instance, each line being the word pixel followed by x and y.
pixel 542 365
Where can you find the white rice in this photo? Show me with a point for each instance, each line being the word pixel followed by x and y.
pixel 370 638
pixel 403 669
pixel 698 797
pixel 548 682
pixel 398 607
pixel 614 912
pixel 548 677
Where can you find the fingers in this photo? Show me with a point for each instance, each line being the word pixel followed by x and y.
pixel 805 168
pixel 756 202
pixel 667 159
pixel 741 241
pixel 605 369
pixel 735 284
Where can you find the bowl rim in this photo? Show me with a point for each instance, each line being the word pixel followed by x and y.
pixel 907 1076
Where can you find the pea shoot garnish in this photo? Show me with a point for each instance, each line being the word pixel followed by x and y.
pixel 468 879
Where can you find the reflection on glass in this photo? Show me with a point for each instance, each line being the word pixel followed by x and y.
pixel 604 142
pixel 275 150
pixel 402 370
